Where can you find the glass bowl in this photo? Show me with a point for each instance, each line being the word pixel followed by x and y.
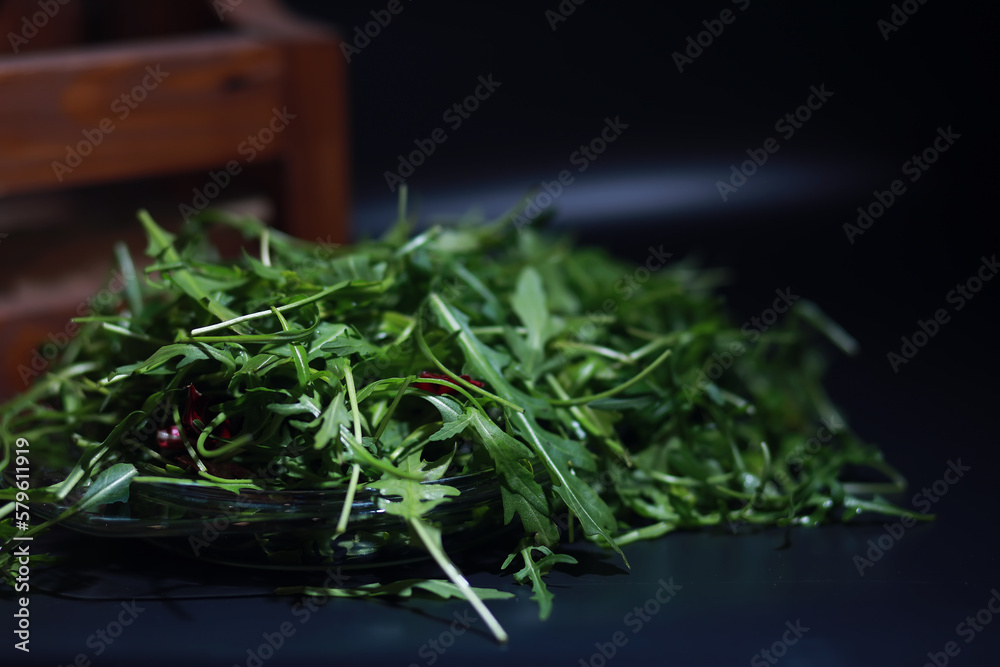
pixel 293 529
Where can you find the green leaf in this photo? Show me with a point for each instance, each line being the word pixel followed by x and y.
pixel 111 486
pixel 348 342
pixel 455 419
pixel 528 302
pixel 416 498
pixel 190 353
pixel 485 361
pixel 334 418
pixel 521 493
pixel 406 588
pixel 533 571
pixel 161 245
pixel 595 516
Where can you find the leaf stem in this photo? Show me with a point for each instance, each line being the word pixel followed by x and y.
pixel 352 486
pixel 265 247
pixel 425 348
pixel 638 377
pixel 264 313
pixel 456 578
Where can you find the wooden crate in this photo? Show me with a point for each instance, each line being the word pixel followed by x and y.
pixel 95 93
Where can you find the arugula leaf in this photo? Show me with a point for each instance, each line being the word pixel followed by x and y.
pixel 404 588
pixel 416 498
pixel 521 493
pixel 456 420
pixel 111 486
pixel 533 571
pixel 528 301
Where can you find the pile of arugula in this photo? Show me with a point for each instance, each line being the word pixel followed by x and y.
pixel 415 357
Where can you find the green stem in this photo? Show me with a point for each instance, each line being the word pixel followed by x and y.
pixel 425 348
pixel 456 578
pixel 264 313
pixel 352 394
pixel 298 355
pixel 265 246
pixel 638 377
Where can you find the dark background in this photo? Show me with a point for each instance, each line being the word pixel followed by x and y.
pixel 657 182
pixel 657 185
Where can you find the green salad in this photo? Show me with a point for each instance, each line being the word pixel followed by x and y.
pixel 606 401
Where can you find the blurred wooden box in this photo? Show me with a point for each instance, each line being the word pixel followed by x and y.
pixel 98 92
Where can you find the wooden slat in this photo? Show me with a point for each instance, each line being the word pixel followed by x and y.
pixel 317 182
pixel 204 97
pixel 25 27
pixel 316 187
